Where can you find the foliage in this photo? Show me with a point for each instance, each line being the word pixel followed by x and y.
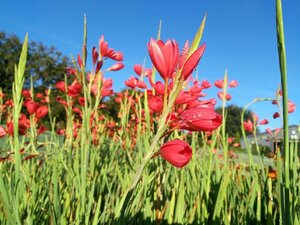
pixel 45 64
pixel 233 119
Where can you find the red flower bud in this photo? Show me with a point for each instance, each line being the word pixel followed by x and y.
pixel 200 119
pixel 176 152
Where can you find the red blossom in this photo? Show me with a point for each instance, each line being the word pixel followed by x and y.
pixel 200 119
pixel 205 84
pixel 192 62
pixel 60 85
pixel 164 57
pixel 248 126
pixel 31 106
pixel 74 89
pixel 176 152
pixel 155 103
pixel 116 67
pixel 264 122
pixel 41 111
pixel 233 83
pixel 219 83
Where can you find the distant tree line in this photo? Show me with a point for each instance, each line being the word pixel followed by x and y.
pixel 45 65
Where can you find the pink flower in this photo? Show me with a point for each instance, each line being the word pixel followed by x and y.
pixel 176 152
pixel 233 83
pixel 221 96
pixel 95 55
pixel 291 107
pixel 164 57
pixel 264 122
pixel 116 67
pixel 205 84
pixel 104 50
pixel 117 56
pixel 138 69
pixel 219 84
pixel 131 82
pixel 2 132
pixel 248 126
pixel 200 119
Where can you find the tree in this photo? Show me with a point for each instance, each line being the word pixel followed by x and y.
pixel 233 119
pixel 45 64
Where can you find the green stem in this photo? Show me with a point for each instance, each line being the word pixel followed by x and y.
pixel 283 72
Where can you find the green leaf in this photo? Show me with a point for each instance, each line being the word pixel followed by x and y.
pixel 197 38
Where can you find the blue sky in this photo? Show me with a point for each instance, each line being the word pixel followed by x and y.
pixel 240 36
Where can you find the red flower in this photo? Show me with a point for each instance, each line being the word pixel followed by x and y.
pixel 264 122
pixel 74 89
pixel 205 84
pixel 41 111
pixel 138 69
pixel 155 103
pixel 248 126
pixel 131 82
pixel 276 115
pixel 200 119
pixel 176 152
pixel 31 106
pixel 291 106
pixel 26 93
pixel 118 56
pixel 60 85
pixel 2 132
pixel 164 57
pixel 117 66
pixel 95 55
pixel 219 84
pixel 104 50
pixel 221 96
pixel 192 62
pixel 233 83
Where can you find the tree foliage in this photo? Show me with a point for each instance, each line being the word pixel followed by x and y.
pixel 45 64
pixel 233 119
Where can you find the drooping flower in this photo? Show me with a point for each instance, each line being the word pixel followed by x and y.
pixel 176 152
pixel 200 119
